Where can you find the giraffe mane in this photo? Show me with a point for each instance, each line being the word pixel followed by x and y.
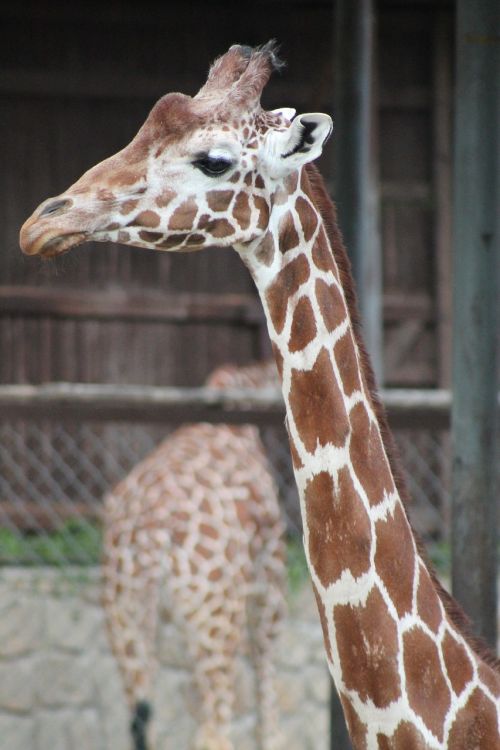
pixel 329 215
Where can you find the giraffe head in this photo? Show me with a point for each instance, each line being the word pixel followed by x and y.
pixel 201 171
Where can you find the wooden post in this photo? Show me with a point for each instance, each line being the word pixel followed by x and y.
pixel 476 253
pixel 355 165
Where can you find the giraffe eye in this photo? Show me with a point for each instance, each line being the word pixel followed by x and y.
pixel 212 166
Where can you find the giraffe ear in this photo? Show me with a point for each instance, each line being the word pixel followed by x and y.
pixel 287 112
pixel 302 142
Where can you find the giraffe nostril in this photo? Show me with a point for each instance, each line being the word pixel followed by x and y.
pixel 55 206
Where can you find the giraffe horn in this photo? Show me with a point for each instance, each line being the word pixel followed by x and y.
pixel 241 74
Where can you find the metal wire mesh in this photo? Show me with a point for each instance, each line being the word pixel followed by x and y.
pixel 59 685
pixel 53 474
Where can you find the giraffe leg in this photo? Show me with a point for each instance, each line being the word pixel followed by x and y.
pixel 213 648
pixel 130 603
pixel 216 686
pixel 266 613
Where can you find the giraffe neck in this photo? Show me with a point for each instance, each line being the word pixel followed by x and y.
pixel 384 623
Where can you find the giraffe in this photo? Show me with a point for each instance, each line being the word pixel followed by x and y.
pixel 199 517
pixel 218 169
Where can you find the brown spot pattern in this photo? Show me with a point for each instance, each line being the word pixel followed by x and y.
pixel 279 360
pixel 490 678
pixel 184 215
pixel 266 249
pixel 123 237
pixel 395 559
pixel 347 361
pixel 128 206
pixel 368 457
pixel 104 195
pixel 286 283
pixel 125 176
pixel 458 665
pixel 280 196
pixel 219 200
pixel 406 737
pixel 291 182
pixel 221 228
pixel 428 607
pixel 331 304
pixel 262 207
pixel 324 623
pixel 317 405
pixel 164 198
pixel 296 460
pixel 428 693
pixel 288 237
pixel 339 527
pixel 259 182
pixel 173 241
pixel 368 644
pixel 147 219
pixel 322 255
pixel 150 236
pixel 357 730
pixel 308 217
pixel 241 210
pixel 303 328
pixel 476 725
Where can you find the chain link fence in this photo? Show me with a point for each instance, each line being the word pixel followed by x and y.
pixel 59 685
pixel 53 478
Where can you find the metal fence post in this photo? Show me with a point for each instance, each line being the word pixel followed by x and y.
pixel 475 289
pixel 355 161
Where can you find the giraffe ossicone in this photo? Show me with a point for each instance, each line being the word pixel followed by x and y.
pixel 218 169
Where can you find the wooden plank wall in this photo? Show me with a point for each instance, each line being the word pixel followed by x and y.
pixel 414 156
pixel 76 81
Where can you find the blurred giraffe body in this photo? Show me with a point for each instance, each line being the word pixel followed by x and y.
pixel 199 517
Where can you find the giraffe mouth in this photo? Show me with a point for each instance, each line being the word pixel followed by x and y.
pixel 50 247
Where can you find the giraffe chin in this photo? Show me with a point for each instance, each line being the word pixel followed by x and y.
pixel 58 245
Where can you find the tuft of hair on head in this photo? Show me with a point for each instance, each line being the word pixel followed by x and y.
pixel 270 50
pixel 238 76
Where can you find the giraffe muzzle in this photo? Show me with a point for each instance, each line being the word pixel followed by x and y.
pixel 45 233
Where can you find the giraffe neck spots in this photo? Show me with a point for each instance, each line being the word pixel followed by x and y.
pixel 398 661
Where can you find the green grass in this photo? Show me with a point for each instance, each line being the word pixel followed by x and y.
pixel 76 542
pixel 298 573
pixel 440 555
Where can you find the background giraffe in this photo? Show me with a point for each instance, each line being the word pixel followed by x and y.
pixel 199 517
pixel 218 169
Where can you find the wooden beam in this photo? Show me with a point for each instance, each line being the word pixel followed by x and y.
pixel 118 304
pixel 475 314
pixel 134 403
